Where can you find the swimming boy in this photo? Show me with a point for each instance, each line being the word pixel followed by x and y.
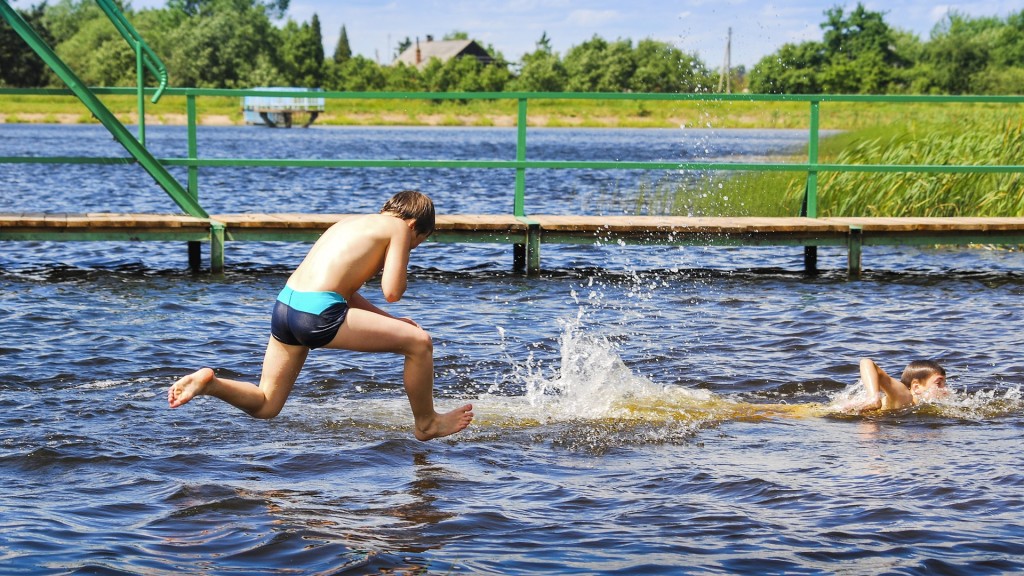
pixel 320 307
pixel 922 380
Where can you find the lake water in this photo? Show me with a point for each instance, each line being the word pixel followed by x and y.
pixel 622 397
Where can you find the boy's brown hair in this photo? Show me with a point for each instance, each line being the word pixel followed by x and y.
pixel 412 204
pixel 920 370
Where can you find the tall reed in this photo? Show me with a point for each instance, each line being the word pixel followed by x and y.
pixel 930 194
pixel 987 140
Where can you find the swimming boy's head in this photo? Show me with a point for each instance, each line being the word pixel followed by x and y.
pixel 925 378
pixel 410 204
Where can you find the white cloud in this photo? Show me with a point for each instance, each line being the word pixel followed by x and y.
pixel 592 17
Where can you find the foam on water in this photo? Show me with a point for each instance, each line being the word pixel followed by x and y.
pixel 592 397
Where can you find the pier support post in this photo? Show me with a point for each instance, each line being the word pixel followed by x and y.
pixel 811 259
pixel 533 249
pixel 519 258
pixel 195 258
pixel 855 241
pixel 526 255
pixel 217 247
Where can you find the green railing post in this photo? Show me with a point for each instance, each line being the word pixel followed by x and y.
pixel 525 256
pixel 193 147
pixel 140 83
pixel 812 160
pixel 811 193
pixel 194 248
pixel 519 204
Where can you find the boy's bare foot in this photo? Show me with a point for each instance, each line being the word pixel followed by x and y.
pixel 445 424
pixel 189 387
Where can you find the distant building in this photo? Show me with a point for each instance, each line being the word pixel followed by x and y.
pixel 420 53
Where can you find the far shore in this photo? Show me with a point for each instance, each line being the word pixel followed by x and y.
pixel 494 120
pixel 225 111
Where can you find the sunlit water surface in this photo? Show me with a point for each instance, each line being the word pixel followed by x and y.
pixel 639 409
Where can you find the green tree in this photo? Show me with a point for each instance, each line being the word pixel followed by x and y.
pixel 859 55
pixel 541 70
pixel 88 43
pixel 342 51
pixel 402 78
pixel 274 8
pixel 302 53
pixel 599 66
pixel 1008 49
pixel 960 48
pixel 20 66
pixel 402 46
pixel 221 45
pixel 794 69
pixel 661 67
pixel 357 74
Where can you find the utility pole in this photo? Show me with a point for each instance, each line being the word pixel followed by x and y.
pixel 725 78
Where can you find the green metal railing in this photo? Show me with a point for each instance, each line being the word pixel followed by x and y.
pixel 187 196
pixel 145 59
pixel 521 163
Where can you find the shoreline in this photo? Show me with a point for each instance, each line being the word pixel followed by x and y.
pixel 355 119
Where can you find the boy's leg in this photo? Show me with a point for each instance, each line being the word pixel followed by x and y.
pixel 281 367
pixel 365 331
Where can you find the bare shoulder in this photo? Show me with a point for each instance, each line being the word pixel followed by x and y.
pixel 373 224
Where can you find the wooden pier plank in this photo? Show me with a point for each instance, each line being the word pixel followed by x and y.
pixel 444 222
pixel 528 231
pixel 912 224
pixel 73 224
pixel 686 224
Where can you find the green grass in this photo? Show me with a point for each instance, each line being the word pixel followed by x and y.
pixel 985 136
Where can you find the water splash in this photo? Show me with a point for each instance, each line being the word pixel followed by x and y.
pixel 590 386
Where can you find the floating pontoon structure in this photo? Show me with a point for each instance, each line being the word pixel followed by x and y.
pixel 286 111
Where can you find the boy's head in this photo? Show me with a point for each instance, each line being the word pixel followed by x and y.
pixel 924 377
pixel 410 204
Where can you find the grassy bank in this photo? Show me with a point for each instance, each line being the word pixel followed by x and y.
pixel 553 113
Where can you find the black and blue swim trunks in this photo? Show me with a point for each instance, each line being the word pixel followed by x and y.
pixel 308 319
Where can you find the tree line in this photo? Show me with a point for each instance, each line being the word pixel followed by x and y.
pixel 247 43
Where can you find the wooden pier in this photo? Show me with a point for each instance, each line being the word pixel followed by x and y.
pixel 526 233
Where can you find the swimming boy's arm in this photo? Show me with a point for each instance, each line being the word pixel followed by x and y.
pixel 874 380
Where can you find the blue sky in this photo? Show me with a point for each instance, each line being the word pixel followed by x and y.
pixel 513 27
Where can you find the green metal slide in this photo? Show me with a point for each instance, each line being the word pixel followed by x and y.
pixel 146 59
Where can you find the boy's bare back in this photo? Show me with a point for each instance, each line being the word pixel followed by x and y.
pixel 352 251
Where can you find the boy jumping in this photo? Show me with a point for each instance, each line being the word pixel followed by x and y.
pixel 320 307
